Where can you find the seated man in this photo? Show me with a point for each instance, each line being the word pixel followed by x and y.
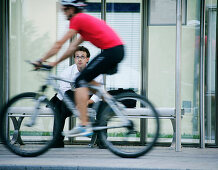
pixel 81 58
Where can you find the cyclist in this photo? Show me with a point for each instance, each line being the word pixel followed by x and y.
pixel 99 34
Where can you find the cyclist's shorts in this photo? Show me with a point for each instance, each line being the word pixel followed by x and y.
pixel 104 63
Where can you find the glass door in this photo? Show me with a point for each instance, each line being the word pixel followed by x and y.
pixel 210 84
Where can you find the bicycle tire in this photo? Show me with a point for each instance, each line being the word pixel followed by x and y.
pixel 128 142
pixel 28 141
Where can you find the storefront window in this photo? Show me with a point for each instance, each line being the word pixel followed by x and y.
pixel 161 67
pixel 210 71
pixel 32 31
pixel 125 18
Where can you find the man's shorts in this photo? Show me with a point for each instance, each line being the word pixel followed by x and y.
pixel 104 63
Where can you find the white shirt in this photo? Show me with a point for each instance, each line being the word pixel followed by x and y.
pixel 71 73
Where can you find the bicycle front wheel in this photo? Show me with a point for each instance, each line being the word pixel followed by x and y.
pixel 21 138
pixel 139 137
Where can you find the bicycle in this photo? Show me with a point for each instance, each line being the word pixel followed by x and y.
pixel 118 126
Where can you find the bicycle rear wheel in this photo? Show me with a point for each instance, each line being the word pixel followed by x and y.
pixel 24 140
pixel 138 138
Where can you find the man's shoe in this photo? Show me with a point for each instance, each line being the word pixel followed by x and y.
pixel 102 147
pixel 100 144
pixel 58 145
pixel 79 131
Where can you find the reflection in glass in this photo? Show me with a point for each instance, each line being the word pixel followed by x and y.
pixel 210 108
pixel 125 18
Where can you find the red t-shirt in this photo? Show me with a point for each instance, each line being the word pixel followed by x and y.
pixel 95 30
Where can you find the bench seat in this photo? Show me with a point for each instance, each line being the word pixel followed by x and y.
pixel 17 114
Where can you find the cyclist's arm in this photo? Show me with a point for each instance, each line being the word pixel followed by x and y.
pixel 73 46
pixel 57 46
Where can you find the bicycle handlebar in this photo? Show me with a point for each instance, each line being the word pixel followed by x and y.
pixel 42 67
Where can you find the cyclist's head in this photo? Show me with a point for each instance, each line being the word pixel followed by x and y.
pixel 77 4
pixel 84 49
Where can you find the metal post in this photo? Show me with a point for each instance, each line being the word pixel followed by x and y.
pixel 144 49
pixel 144 62
pixel 4 54
pixel 202 69
pixel 216 83
pixel 178 74
pixel 7 59
pixel 144 65
pixel 103 9
pixel 103 17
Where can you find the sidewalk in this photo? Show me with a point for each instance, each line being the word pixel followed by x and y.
pixel 81 157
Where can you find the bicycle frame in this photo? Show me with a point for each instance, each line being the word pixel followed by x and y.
pixel 101 93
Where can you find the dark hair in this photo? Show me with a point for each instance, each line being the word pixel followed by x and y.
pixel 82 48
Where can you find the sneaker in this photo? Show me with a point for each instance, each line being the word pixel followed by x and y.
pixel 58 145
pixel 79 131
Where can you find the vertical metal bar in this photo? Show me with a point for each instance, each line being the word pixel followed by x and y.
pixel 7 50
pixel 103 9
pixel 103 17
pixel 144 49
pixel 7 58
pixel 178 74
pixel 216 83
pixel 144 63
pixel 202 69
pixel 4 54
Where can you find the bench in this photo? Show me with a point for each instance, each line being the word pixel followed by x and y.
pixel 164 113
pixel 17 114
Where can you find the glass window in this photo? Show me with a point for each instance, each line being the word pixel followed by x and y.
pixel 167 15
pixel 125 18
pixel 210 71
pixel 34 28
pixel 32 32
pixel 161 71
pixel 62 28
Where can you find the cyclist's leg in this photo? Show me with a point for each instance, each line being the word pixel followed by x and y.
pixel 81 99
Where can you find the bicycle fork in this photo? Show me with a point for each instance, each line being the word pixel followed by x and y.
pixel 36 111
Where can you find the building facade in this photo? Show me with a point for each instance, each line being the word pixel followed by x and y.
pixel 148 28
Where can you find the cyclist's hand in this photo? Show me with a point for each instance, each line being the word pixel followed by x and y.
pixel 37 64
pixel 52 64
